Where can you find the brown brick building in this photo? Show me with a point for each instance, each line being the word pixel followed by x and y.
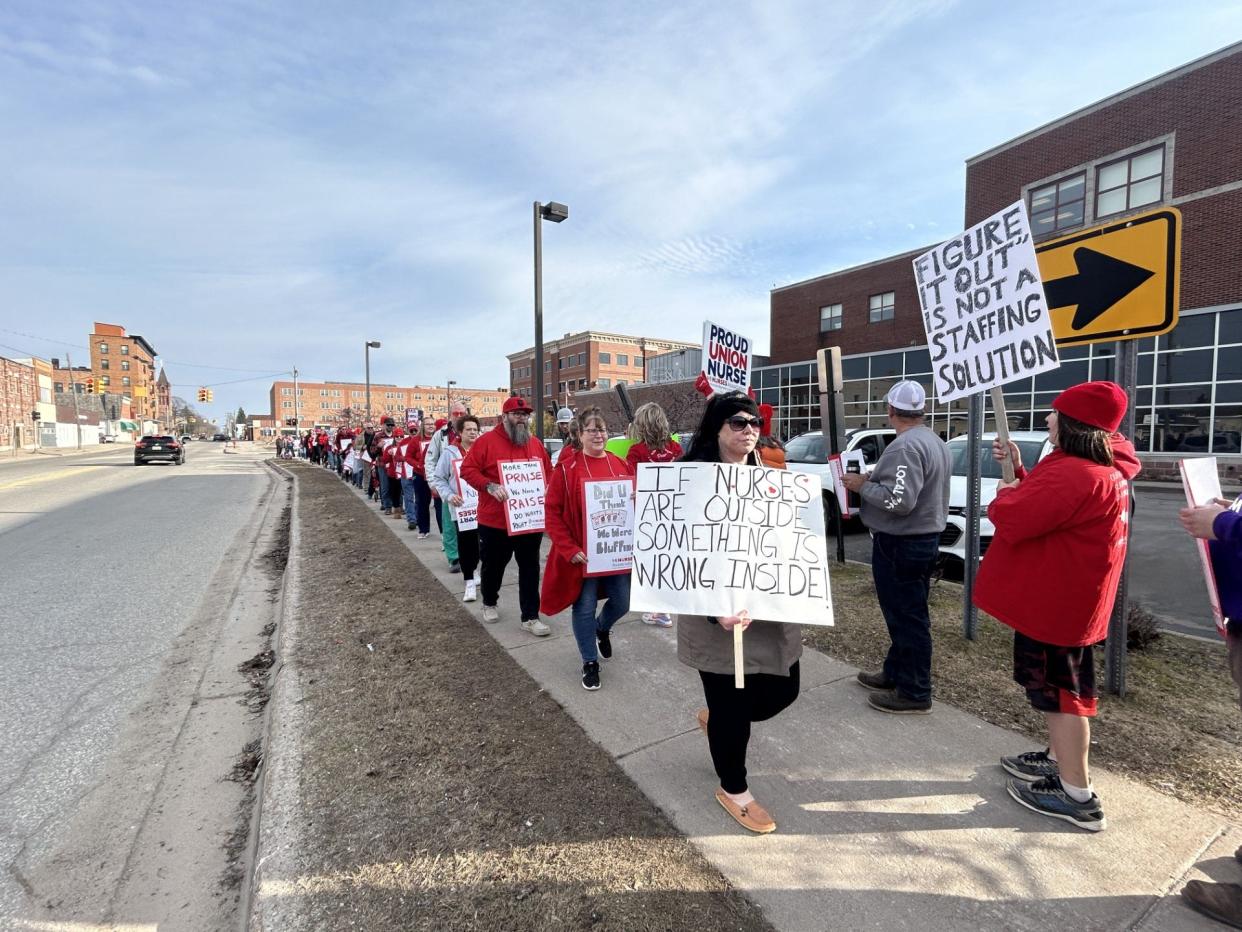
pixel 332 403
pixel 124 364
pixel 590 359
pixel 19 397
pixel 1170 141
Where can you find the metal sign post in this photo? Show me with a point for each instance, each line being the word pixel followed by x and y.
pixel 974 439
pixel 832 423
pixel 1119 624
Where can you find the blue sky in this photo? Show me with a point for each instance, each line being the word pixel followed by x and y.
pixel 257 185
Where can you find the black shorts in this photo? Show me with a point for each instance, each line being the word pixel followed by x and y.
pixel 1056 679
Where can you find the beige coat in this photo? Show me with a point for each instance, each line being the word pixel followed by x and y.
pixel 768 646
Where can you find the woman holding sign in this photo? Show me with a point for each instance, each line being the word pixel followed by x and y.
pixel 445 481
pixel 592 476
pixel 728 433
pixel 655 445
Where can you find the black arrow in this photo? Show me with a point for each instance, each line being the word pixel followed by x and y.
pixel 1101 281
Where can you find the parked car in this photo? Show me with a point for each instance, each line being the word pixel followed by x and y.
pixel 553 446
pixel 186 438
pixel 158 447
pixel 107 438
pixel 220 438
pixel 1033 445
pixel 809 453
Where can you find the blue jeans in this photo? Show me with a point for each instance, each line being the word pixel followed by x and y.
pixel 416 495
pixel 902 568
pixel 616 589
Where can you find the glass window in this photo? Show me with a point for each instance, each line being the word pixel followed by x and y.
pixel 103 347
pixel 125 380
pixel 882 306
pixel 623 359
pixel 807 448
pixel 1227 429
pixel 1181 430
pixel 854 367
pixel 1072 352
pixel 1145 365
pixel 1102 370
pixel 1231 326
pixel 1184 366
pixel 547 365
pixel 767 377
pixel 103 364
pixel 854 390
pixel 1184 395
pixel 829 318
pixel 1228 364
pixel 1130 182
pixel 1070 373
pixel 869 447
pixel 124 349
pixel 918 362
pixel 605 359
pixel 1058 206
pixel 800 373
pixel 887 365
pixel 1199 330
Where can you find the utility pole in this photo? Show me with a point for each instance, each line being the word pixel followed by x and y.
pixel 297 421
pixel 73 390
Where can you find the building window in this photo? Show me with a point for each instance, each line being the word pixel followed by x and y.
pixel 124 349
pixel 103 364
pixel 582 383
pixel 560 388
pixel 560 364
pixel 125 380
pixel 623 359
pixel 547 391
pixel 547 365
pixel 125 364
pixel 829 318
pixel 1130 182
pixel 882 306
pixel 1058 206
pixel 104 380
pixel 603 383
pixel 605 359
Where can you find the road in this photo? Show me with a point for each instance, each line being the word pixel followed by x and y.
pixel 1165 576
pixel 129 600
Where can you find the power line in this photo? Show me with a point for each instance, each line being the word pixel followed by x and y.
pixel 163 361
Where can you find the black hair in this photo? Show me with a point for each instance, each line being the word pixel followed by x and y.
pixel 705 448
pixel 1084 440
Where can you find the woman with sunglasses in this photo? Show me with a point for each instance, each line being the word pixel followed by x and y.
pixel 564 582
pixel 728 433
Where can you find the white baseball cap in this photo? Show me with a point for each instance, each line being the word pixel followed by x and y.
pixel 564 416
pixel 907 396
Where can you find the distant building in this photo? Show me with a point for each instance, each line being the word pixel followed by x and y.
pixel 124 364
pixel 18 400
pixel 332 403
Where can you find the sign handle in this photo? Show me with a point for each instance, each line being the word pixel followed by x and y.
pixel 1002 431
pixel 739 678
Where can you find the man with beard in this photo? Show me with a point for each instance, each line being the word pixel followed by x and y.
pixel 511 440
pixel 379 443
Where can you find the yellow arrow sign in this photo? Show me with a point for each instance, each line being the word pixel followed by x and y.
pixel 1116 281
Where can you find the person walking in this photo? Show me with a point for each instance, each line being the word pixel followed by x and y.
pixel 905 503
pixel 510 440
pixel 413 499
pixel 564 579
pixel 727 434
pixel 1051 574
pixel 445 436
pixel 465 432
pixel 386 437
pixel 653 444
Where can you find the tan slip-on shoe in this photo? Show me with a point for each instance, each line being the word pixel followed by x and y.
pixel 752 816
pixel 701 716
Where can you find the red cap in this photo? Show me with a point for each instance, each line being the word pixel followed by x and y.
pixel 516 403
pixel 1098 404
pixel 440 422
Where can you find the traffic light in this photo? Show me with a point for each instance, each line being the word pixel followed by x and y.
pixel 34 416
pixel 201 395
pixel 90 386
pixel 206 395
pixel 291 422
pixel 211 395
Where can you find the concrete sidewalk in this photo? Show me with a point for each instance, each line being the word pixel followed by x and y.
pixel 885 822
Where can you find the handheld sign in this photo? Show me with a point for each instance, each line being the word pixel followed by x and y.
pixel 468 510
pixel 726 359
pixel 346 443
pixel 1202 485
pixel 608 535
pixel 524 483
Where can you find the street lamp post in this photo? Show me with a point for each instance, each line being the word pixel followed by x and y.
pixel 449 385
pixel 555 213
pixel 370 345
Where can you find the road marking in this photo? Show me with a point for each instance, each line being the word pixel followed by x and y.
pixel 46 477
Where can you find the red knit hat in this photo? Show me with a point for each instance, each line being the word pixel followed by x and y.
pixel 1098 404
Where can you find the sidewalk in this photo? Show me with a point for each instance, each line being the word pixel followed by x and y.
pixel 885 822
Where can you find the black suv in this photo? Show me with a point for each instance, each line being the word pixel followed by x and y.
pixel 158 447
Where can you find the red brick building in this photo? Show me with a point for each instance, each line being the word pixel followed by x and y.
pixel 124 364
pixel 19 397
pixel 332 403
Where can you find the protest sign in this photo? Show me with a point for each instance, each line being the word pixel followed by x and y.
pixel 468 510
pixel 717 538
pixel 983 307
pixel 726 359
pixel 413 417
pixel 1202 485
pixel 524 482
pixel 838 465
pixel 346 443
pixel 608 516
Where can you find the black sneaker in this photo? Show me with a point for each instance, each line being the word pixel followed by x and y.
pixel 454 567
pixel 1048 798
pixel 1031 766
pixel 590 675
pixel 875 681
pixel 895 703
pixel 410 525
pixel 605 644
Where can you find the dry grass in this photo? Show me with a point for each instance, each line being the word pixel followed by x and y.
pixel 1178 729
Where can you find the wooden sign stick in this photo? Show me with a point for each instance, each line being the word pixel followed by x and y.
pixel 739 678
pixel 1002 431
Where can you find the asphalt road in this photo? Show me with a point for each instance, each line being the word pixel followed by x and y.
pixel 1165 576
pixel 105 565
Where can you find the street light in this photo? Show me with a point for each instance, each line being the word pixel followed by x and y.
pixel 370 345
pixel 448 397
pixel 555 213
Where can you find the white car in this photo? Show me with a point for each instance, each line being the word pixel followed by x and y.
pixel 809 453
pixel 1033 445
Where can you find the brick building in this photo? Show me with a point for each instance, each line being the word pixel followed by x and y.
pixel 586 360
pixel 124 364
pixel 331 403
pixel 19 397
pixel 1170 141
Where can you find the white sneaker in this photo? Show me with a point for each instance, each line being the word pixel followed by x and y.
pixel 658 619
pixel 490 614
pixel 470 595
pixel 537 628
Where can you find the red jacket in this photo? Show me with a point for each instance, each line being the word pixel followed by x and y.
pixel 640 454
pixel 1052 569
pixel 409 457
pixel 479 468
pixel 388 459
pixel 562 578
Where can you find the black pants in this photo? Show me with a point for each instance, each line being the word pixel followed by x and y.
pixel 495 549
pixel 732 711
pixel 468 552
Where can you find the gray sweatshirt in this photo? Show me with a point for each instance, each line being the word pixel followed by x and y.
pixel 908 491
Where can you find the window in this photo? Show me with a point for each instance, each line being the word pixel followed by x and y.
pixel 125 364
pixel 830 318
pixel 560 363
pixel 882 306
pixel 1058 206
pixel 124 349
pixel 623 359
pixel 1130 182
pixel 603 383
pixel 560 388
pixel 125 380
pixel 103 364
pixel 582 383
pixel 547 365
pixel 605 359
pixel 547 391
pixel 105 380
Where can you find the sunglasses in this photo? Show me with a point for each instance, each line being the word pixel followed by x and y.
pixel 739 423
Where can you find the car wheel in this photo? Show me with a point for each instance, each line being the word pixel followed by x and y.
pixel 137 462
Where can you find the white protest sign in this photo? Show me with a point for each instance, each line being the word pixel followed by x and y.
pixel 726 359
pixel 715 538
pixel 524 482
pixel 346 443
pixel 608 538
pixel 1202 484
pixel 468 510
pixel 983 307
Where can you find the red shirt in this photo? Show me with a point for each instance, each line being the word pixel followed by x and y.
pixel 640 453
pixel 479 467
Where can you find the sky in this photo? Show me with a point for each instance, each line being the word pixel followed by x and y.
pixel 257 186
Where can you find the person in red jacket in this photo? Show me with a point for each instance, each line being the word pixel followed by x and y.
pixel 1051 574
pixel 655 445
pixel 509 440
pixel 390 466
pixel 564 582
pixel 411 474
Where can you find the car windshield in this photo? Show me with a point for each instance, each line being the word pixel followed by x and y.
pixel 1029 450
pixel 807 448
pixel 160 439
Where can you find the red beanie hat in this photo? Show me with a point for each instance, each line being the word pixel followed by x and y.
pixel 1098 404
